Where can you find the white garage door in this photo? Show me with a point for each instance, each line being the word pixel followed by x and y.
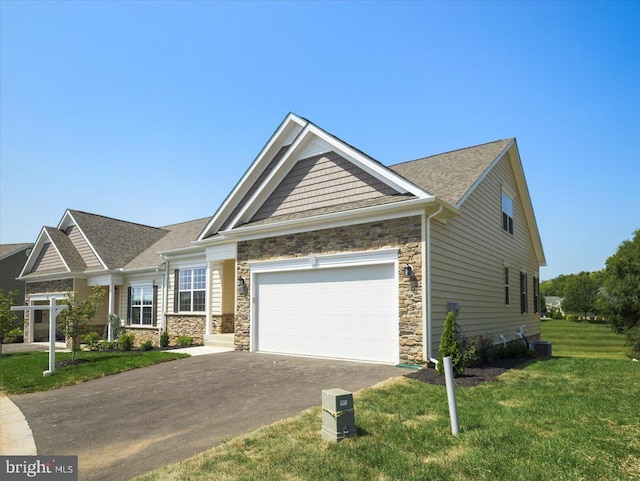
pixel 341 312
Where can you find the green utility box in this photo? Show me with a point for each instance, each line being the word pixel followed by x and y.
pixel 338 418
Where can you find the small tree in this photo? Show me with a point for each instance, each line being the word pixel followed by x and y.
pixel 581 293
pixel 622 287
pixel 76 318
pixel 8 318
pixel 450 346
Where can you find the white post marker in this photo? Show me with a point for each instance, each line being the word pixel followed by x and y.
pixel 54 309
pixel 451 395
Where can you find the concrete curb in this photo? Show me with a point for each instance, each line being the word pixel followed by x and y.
pixel 16 437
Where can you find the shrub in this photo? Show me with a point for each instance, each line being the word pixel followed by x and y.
pixel 477 350
pixel 450 347
pixel 125 341
pixel 184 341
pixel 106 345
pixel 14 335
pixel 164 339
pixel 91 339
pixel 146 345
pixel 572 317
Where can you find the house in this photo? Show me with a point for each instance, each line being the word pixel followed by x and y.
pixel 321 250
pixel 12 258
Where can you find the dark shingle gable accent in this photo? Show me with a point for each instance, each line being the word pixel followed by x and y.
pixel 66 249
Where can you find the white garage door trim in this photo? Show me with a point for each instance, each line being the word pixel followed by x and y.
pixel 320 262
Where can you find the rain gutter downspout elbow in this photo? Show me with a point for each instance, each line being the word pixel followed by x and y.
pixel 427 353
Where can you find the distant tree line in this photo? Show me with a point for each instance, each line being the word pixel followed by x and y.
pixel 613 292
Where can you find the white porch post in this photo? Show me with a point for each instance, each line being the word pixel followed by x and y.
pixel 207 300
pixel 32 325
pixel 112 309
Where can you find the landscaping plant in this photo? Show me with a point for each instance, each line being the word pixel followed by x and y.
pixel 8 318
pixel 450 347
pixel 164 339
pixel 125 341
pixel 76 319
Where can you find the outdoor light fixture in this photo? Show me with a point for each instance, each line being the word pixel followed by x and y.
pixel 408 270
pixel 242 285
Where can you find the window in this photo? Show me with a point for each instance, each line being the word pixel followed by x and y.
pixel 524 305
pixel 142 305
pixel 536 294
pixel 506 286
pixel 191 290
pixel 507 212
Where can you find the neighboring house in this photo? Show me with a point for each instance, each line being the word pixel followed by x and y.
pixel 553 303
pixel 12 259
pixel 320 250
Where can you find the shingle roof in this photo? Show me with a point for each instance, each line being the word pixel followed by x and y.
pixel 9 249
pixel 450 175
pixel 117 242
pixel 178 235
pixel 68 252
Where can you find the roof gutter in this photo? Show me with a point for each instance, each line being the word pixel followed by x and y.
pixel 427 350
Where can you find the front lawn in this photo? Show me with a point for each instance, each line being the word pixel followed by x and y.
pixel 22 372
pixel 568 418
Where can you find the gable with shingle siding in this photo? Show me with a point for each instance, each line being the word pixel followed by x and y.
pixel 82 246
pixel 320 181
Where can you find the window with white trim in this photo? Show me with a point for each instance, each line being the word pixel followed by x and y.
pixel 506 286
pixel 524 301
pixel 142 305
pixel 507 213
pixel 191 289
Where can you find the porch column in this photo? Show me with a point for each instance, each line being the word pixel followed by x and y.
pixel 112 309
pixel 31 322
pixel 207 297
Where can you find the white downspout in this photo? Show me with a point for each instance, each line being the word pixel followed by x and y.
pixel 165 287
pixel 427 353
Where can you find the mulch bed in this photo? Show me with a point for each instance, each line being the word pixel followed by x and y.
pixel 472 375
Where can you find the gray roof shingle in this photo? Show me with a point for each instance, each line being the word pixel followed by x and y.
pixel 117 242
pixel 9 249
pixel 450 175
pixel 178 236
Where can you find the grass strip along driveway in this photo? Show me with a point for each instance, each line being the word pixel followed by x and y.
pixel 21 372
pixel 567 418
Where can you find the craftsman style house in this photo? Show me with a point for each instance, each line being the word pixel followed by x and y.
pixel 320 250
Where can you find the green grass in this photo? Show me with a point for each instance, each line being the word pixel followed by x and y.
pixel 572 417
pixel 22 372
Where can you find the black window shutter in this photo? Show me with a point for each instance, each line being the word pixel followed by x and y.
pixel 522 291
pixel 176 290
pixel 154 320
pixel 129 305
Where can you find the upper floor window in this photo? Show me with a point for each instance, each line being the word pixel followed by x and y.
pixel 507 212
pixel 191 289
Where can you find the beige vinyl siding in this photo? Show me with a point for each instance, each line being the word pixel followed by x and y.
pixel 123 299
pixel 216 287
pixel 321 181
pixel 83 247
pixel 48 259
pixel 83 291
pixel 469 254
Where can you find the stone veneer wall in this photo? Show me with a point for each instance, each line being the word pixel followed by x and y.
pixel 143 334
pixel 42 287
pixel 222 324
pixel 404 234
pixel 186 325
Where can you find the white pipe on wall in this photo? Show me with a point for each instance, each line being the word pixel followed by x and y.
pixel 427 353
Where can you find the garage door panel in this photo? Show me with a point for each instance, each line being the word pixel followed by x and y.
pixel 338 312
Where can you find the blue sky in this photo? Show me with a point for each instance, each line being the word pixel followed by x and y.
pixel 152 111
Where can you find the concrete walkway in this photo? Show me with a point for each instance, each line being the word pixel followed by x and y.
pixel 124 425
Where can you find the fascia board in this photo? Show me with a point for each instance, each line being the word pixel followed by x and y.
pixel 290 122
pixel 484 174
pixel 287 162
pixel 379 171
pixel 326 221
pixel 525 198
pixel 54 276
pixel 35 252
pixel 93 249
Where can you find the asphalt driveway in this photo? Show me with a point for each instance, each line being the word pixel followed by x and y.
pixel 124 425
